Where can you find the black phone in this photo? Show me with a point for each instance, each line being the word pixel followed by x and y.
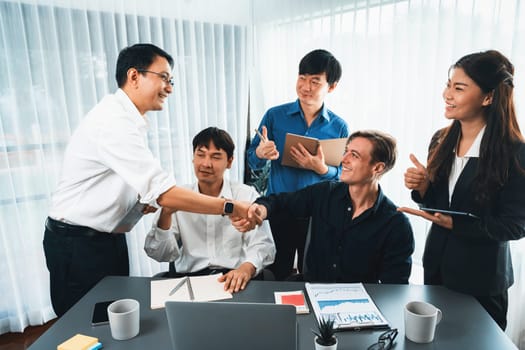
pixel 100 313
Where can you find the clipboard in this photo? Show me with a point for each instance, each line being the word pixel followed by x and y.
pixel 333 149
pixel 348 304
pixel 130 219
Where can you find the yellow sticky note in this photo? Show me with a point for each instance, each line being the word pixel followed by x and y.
pixel 78 342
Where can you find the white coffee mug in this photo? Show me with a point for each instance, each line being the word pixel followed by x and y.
pixel 421 319
pixel 124 318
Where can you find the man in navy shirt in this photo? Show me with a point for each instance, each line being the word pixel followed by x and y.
pixel 319 72
pixel 357 234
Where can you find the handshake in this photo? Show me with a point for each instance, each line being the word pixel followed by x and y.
pixel 247 216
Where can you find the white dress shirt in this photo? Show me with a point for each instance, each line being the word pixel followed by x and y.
pixel 107 165
pixel 460 163
pixel 198 241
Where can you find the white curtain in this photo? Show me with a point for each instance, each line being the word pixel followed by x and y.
pixel 57 60
pixel 395 56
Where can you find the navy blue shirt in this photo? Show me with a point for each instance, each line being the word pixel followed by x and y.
pixel 375 247
pixel 289 118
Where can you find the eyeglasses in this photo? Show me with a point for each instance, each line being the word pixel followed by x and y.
pixel 385 340
pixel 165 77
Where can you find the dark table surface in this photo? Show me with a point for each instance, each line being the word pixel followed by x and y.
pixel 465 324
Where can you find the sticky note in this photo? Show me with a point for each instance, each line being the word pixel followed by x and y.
pixel 78 342
pixel 293 299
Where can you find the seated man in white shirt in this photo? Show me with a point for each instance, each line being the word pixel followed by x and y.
pixel 200 244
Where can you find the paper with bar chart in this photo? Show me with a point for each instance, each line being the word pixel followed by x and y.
pixel 347 303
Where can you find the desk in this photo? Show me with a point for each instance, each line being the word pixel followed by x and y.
pixel 465 323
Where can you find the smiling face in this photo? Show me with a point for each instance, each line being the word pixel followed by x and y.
pixel 312 89
pixel 210 163
pixel 464 100
pixel 149 90
pixel 358 167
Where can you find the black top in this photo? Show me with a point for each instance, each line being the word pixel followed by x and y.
pixel 374 247
pixel 474 257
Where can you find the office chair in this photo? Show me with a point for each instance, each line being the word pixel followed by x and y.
pixel 167 274
pixel 299 277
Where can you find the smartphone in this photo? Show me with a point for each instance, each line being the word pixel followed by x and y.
pixel 100 313
pixel 449 212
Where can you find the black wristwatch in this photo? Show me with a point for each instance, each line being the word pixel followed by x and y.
pixel 228 208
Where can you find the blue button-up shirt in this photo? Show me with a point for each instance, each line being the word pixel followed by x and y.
pixel 289 118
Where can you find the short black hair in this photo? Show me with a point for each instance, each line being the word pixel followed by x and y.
pixel 384 147
pixel 139 56
pixel 321 61
pixel 221 139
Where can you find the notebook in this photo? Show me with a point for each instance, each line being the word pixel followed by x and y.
pixel 333 149
pixel 203 288
pixel 231 325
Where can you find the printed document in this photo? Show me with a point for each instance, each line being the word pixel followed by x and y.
pixel 347 303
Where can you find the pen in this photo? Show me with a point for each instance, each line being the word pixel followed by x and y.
pixel 177 287
pixel 263 139
pixel 190 290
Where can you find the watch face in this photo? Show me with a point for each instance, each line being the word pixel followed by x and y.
pixel 228 207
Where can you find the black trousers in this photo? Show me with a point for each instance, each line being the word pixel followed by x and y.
pixel 289 234
pixel 79 257
pixel 495 305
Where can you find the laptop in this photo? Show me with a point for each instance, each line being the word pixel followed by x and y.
pixel 231 326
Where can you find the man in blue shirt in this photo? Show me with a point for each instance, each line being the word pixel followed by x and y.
pixel 357 234
pixel 319 72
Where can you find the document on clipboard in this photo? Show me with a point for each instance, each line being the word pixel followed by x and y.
pixel 348 304
pixel 333 149
pixel 130 219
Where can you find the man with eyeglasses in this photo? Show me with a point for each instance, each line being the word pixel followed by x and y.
pixel 107 166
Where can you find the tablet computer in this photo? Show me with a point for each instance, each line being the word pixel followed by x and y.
pixel 333 149
pixel 448 212
pixel 310 143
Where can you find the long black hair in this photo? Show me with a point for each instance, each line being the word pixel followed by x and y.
pixel 492 72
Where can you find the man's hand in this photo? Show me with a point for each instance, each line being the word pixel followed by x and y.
pixel 247 218
pixel 416 178
pixel 148 209
pixel 437 218
pixel 237 279
pixel 255 216
pixel 266 148
pixel 308 161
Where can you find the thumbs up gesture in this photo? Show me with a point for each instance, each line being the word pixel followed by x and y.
pixel 266 148
pixel 416 177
